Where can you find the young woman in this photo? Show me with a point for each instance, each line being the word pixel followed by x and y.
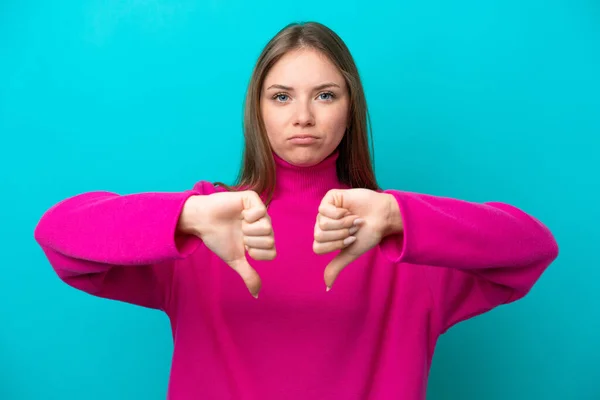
pixel 306 216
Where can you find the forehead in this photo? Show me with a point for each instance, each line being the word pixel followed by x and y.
pixel 304 68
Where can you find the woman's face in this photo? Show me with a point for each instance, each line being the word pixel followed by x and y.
pixel 304 104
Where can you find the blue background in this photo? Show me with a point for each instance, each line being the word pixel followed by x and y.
pixel 481 100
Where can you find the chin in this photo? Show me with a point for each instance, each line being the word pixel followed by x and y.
pixel 304 160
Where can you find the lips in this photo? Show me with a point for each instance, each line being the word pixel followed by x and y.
pixel 303 139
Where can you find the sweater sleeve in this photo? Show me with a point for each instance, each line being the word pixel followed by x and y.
pixel 474 256
pixel 120 247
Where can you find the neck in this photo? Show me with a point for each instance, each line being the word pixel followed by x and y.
pixel 305 182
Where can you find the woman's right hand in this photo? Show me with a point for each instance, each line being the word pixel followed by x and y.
pixel 229 224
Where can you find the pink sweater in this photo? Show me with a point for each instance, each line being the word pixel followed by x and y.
pixel 371 337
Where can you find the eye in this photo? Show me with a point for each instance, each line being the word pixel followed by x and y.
pixel 326 96
pixel 281 97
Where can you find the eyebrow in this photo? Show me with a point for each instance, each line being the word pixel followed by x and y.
pixel 320 87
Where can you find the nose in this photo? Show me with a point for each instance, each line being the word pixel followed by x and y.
pixel 303 114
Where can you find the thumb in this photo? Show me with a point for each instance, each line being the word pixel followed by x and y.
pixel 333 269
pixel 248 274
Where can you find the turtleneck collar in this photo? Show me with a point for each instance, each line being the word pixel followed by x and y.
pixel 305 182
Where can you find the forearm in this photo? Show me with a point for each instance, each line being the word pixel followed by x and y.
pixel 111 229
pixel 459 234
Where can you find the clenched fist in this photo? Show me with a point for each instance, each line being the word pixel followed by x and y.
pixel 229 224
pixel 353 221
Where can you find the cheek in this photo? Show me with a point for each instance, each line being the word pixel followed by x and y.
pixel 274 120
pixel 335 121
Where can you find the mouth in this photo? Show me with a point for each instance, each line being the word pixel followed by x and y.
pixel 303 139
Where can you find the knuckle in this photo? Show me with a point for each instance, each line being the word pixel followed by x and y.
pixel 266 226
pixel 331 192
pixel 247 193
pixel 267 255
pixel 261 225
pixel 319 235
pixel 261 210
pixel 316 248
pixel 254 253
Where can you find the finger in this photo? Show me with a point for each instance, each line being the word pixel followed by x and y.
pixel 330 236
pixel 329 224
pixel 254 208
pixel 259 242
pixel 331 211
pixel 248 274
pixel 334 197
pixel 336 266
pixel 261 227
pixel 254 214
pixel 262 254
pixel 327 247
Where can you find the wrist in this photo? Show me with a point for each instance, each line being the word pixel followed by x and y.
pixel 394 224
pixel 188 219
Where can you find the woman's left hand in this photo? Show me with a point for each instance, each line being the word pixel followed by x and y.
pixel 353 221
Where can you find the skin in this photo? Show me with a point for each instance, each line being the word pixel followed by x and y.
pixel 304 94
